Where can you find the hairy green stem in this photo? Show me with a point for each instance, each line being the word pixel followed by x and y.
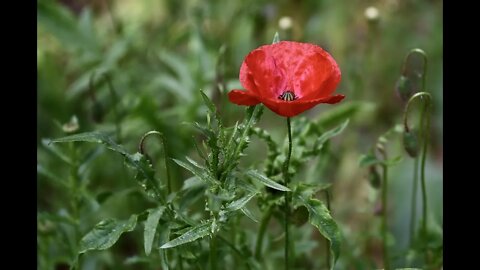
pixel 263 226
pixel 287 195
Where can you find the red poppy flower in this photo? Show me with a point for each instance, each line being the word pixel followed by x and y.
pixel 288 77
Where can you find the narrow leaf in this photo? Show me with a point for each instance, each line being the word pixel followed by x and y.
pixel 209 103
pixel 106 233
pixel 145 173
pixel 266 181
pixel 191 235
pixel 331 133
pixel 151 224
pixel 249 214
pixel 240 203
pixel 319 216
pixel 96 137
pixel 196 170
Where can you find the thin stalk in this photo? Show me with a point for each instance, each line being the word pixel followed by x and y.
pixel 415 184
pixel 287 195
pixel 74 185
pixel 141 149
pixel 413 211
pixel 263 226
pixel 426 135
pixel 327 244
pixel 386 260
pixel 113 94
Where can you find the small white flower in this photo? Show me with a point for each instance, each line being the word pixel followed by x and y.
pixel 285 23
pixel 372 13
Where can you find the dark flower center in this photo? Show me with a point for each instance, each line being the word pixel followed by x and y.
pixel 287 96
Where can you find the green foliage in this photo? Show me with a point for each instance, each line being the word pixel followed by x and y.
pixel 320 218
pixel 106 233
pixel 120 69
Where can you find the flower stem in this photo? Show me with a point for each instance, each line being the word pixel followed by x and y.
pixel 426 135
pixel 263 226
pixel 74 189
pixel 413 212
pixel 386 261
pixel 287 196
pixel 327 244
pixel 141 149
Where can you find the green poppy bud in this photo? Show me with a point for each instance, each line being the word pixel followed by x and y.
pixel 410 143
pixel 404 88
pixel 374 177
pixel 299 216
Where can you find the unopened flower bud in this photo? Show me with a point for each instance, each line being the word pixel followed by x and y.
pixel 404 88
pixel 410 143
pixel 372 14
pixel 374 177
pixel 285 23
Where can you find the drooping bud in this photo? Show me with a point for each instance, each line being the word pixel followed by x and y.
pixel 374 177
pixel 404 88
pixel 299 216
pixel 410 143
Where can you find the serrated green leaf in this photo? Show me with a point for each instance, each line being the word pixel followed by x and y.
pixel 266 181
pixel 249 214
pixel 96 137
pixel 196 170
pixel 145 173
pixel 191 235
pixel 319 216
pixel 234 151
pixel 164 236
pixel 240 203
pixel 106 233
pixel 151 224
pixel 211 107
pixel 307 190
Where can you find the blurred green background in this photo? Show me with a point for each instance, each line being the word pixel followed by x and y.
pixel 159 53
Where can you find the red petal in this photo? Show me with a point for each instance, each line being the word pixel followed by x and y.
pixel 259 73
pixel 293 108
pixel 308 69
pixel 240 97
